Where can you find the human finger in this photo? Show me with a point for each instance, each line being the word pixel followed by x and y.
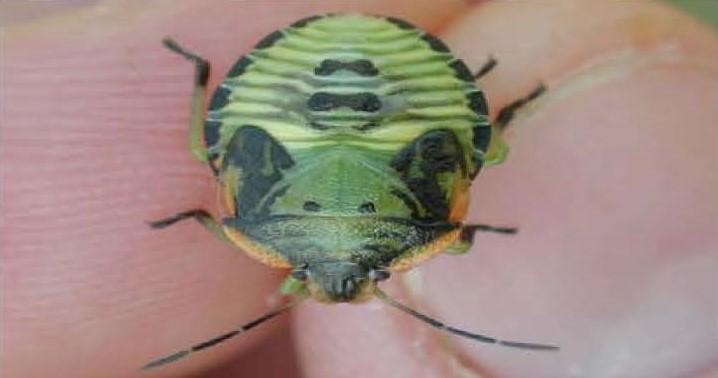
pixel 608 181
pixel 95 127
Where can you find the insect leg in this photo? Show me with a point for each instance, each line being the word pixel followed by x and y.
pixel 486 68
pixel 200 215
pixel 466 238
pixel 467 232
pixel 202 70
pixel 506 114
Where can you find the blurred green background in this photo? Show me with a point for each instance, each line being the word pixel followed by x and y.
pixel 706 10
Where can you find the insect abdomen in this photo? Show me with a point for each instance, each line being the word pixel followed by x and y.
pixel 361 80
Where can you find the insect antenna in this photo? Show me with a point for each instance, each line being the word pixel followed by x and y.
pixel 459 332
pixel 216 340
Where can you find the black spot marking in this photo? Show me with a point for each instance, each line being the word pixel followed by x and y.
pixel 328 67
pixel 269 40
pixel 367 207
pixel 420 163
pixel 401 24
pixel 311 206
pixel 477 103
pixel 361 102
pixel 440 151
pixel 435 152
pixel 363 67
pixel 366 102
pixel 461 71
pixel 322 101
pixel 261 159
pixel 211 132
pixel 220 98
pixel 435 43
pixel 304 21
pixel 240 67
pixel 482 137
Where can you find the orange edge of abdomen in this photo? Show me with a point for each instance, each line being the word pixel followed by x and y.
pixel 417 256
pixel 460 205
pixel 258 252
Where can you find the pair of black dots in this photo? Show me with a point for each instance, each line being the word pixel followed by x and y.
pixel 365 208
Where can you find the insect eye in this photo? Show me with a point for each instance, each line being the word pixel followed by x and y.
pixel 300 274
pixel 379 275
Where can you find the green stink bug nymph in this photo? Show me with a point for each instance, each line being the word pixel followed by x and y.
pixel 344 147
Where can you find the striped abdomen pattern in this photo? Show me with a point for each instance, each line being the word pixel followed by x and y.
pixel 371 82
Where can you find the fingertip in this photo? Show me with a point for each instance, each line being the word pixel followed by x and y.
pixel 584 184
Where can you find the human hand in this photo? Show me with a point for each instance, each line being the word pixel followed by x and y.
pixel 612 180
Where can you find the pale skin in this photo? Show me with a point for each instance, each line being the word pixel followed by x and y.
pixel 611 179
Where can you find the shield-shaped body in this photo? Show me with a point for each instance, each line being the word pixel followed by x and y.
pixel 346 144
